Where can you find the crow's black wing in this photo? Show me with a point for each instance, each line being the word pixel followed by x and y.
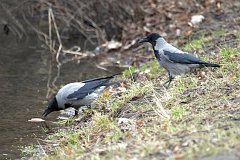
pixel 89 87
pixel 183 58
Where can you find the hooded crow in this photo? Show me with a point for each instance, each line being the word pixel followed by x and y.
pixel 175 61
pixel 78 94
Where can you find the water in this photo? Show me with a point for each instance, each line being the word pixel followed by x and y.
pixel 23 78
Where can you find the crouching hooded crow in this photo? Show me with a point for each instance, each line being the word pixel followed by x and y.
pixel 175 61
pixel 78 94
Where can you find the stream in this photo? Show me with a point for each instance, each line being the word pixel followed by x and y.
pixel 23 76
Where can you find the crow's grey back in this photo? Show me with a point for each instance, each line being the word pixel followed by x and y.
pixel 161 45
pixel 67 90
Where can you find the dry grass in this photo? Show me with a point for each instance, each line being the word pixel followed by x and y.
pixel 197 117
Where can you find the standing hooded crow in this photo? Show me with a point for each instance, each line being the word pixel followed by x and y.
pixel 175 61
pixel 78 94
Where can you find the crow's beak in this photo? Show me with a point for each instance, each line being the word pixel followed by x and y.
pixel 142 40
pixel 46 112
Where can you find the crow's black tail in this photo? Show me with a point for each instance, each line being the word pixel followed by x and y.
pixel 210 65
pixel 102 78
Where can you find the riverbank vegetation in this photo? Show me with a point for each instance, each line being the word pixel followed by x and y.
pixel 197 117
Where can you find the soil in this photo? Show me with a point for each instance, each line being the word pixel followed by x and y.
pixel 172 19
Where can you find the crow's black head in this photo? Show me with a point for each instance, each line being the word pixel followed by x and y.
pixel 151 38
pixel 52 106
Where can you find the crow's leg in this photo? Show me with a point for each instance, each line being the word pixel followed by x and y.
pixel 167 83
pixel 76 112
pixel 82 111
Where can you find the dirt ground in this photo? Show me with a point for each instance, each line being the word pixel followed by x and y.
pixel 172 19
